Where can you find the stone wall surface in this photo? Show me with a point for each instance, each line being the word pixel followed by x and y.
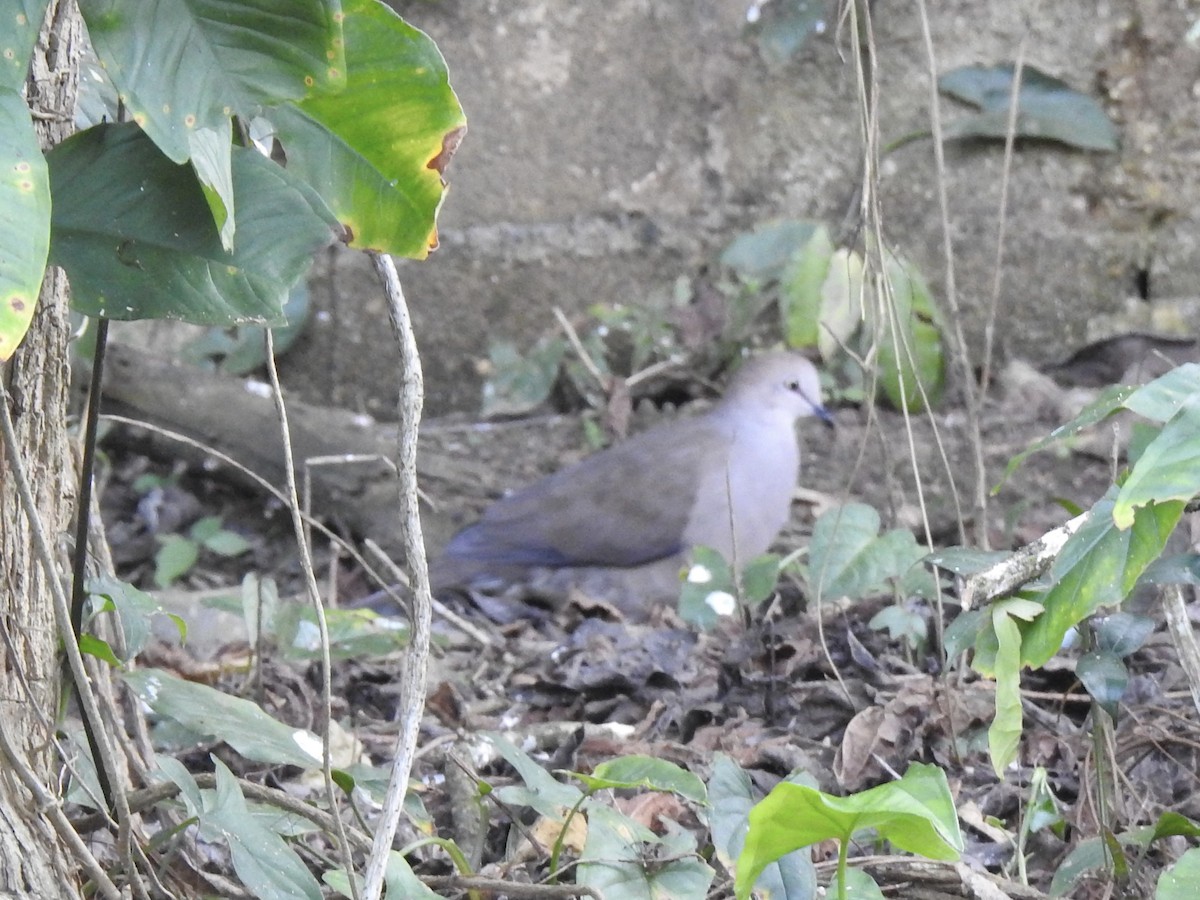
pixel 615 148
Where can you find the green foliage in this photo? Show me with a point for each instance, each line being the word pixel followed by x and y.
pixel 173 214
pixel 169 261
pixel 24 219
pixel 134 609
pixel 291 628
pixel 619 853
pixel 848 557
pixel 791 876
pixel 178 553
pixel 782 28
pixel 1047 108
pixel 210 714
pixel 1120 541
pixel 376 150
pixel 836 300
pixel 915 813
pixel 1111 854
pixel 617 338
pixel 712 591
pixel 266 865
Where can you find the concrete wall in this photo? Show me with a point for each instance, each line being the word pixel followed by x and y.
pixel 615 147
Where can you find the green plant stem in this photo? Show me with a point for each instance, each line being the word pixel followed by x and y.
pixel 843 851
pixel 456 856
pixel 556 850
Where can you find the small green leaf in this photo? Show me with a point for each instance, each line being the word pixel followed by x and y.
pixel 708 593
pixel 135 610
pixel 848 557
pixel 910 359
pixel 861 886
pixel 540 790
pixel 763 254
pixel 1105 678
pixel 842 301
pixel 760 578
pixel 1047 108
pixel 1121 633
pixel 800 290
pixel 645 772
pixel 613 864
pixel 1088 856
pixel 227 543
pixel 915 813
pixel 1169 468
pixel 175 557
pixel 1004 734
pixel 787 26
pixel 518 384
pixel 93 646
pixel 24 215
pixel 901 624
pixel 263 861
pixel 240 723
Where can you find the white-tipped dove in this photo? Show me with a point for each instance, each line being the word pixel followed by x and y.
pixel 620 522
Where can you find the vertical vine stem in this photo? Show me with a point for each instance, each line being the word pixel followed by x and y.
pixel 314 596
pixel 412 395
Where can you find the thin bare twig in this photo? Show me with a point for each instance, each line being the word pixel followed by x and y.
pixel 472 631
pixel 421 617
pixel 314 596
pixel 970 393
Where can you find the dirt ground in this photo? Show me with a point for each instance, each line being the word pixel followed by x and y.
pixel 799 688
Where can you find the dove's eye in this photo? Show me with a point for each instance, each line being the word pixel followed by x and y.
pixel 792 385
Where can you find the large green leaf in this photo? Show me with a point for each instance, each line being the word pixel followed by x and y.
pixel 376 151
pixel 1047 108
pixel 915 813
pixel 264 862
pixel 849 558
pixel 910 341
pixel 22 19
pixel 210 713
pixel 1169 467
pixel 135 234
pixel 614 864
pixel 24 220
pixel 182 65
pixel 792 876
pixel 1097 566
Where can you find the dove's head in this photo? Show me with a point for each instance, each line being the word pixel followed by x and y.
pixel 779 383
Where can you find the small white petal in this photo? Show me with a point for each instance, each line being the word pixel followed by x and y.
pixel 308 742
pixel 699 574
pixel 722 603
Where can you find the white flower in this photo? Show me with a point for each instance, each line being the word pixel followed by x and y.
pixel 722 603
